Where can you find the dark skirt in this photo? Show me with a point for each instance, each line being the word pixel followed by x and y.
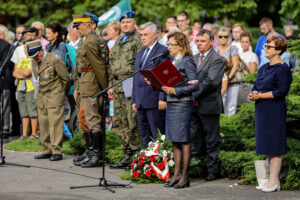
pixel 178 121
pixel 270 127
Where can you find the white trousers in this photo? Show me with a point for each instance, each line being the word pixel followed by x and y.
pixel 230 99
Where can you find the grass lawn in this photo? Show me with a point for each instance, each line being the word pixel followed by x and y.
pixel 71 147
pixel 32 145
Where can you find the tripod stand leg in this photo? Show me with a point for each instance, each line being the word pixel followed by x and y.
pixel 83 186
pixel 19 165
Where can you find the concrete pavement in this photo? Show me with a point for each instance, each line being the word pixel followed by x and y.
pixel 52 180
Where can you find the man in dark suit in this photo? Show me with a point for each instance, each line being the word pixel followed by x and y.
pixel 147 102
pixel 208 103
pixel 6 82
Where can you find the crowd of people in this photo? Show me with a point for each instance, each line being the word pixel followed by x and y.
pixel 211 59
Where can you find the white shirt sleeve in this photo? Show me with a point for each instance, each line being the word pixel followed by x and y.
pixel 253 58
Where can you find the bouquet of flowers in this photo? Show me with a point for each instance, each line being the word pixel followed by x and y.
pixel 154 162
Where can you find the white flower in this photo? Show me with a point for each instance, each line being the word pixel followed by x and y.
pixel 165 153
pixel 134 165
pixel 146 168
pixel 171 163
pixel 163 137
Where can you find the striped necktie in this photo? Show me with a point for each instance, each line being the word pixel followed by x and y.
pixel 145 57
pixel 200 61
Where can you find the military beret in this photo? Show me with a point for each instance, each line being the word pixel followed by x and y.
pixel 127 14
pixel 80 18
pixel 92 16
pixel 33 47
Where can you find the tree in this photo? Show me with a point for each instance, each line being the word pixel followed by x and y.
pixel 291 7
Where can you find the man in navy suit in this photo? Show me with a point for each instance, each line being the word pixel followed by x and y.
pixel 205 125
pixel 147 102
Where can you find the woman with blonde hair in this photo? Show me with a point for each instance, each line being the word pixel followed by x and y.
pixel 113 32
pixel 230 54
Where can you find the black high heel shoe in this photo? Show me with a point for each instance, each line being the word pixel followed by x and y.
pixel 187 184
pixel 169 184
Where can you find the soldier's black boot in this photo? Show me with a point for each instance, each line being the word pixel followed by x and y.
pixel 125 160
pixel 97 158
pixel 88 153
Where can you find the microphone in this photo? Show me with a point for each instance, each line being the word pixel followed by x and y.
pixel 163 54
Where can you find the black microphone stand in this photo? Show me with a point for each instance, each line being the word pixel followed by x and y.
pixel 103 182
pixel 2 74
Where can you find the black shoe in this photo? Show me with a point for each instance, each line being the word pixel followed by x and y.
pixel 5 136
pixel 43 156
pixel 56 157
pixel 169 184
pixel 124 162
pixel 128 167
pixel 187 184
pixel 211 177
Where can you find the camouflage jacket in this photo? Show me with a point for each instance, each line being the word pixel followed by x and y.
pixel 123 57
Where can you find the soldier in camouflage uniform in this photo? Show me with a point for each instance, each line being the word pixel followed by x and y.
pixel 92 57
pixel 122 65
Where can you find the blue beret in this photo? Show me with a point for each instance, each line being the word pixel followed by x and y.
pixel 92 16
pixel 127 14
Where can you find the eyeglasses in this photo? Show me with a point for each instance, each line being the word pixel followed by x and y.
pixel 223 36
pixel 269 46
pixel 172 45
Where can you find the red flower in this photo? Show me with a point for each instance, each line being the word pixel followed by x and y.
pixel 160 166
pixel 133 161
pixel 132 167
pixel 148 173
pixel 143 156
pixel 136 174
pixel 152 159
pixel 140 163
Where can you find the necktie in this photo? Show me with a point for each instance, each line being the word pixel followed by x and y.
pixel 200 61
pixel 144 57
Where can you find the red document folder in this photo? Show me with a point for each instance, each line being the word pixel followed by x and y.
pixel 163 74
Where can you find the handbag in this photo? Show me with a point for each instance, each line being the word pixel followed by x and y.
pixel 240 73
pixel 244 91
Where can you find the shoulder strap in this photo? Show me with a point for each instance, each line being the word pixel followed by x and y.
pixel 230 59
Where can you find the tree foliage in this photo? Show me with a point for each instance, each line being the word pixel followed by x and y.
pixel 291 7
pixel 151 10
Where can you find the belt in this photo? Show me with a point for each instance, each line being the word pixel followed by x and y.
pixel 85 69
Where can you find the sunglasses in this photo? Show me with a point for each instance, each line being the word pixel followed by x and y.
pixel 223 36
pixel 269 46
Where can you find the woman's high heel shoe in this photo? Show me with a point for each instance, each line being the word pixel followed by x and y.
pixel 169 184
pixel 275 188
pixel 187 184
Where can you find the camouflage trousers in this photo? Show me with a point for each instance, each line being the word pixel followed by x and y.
pixel 125 122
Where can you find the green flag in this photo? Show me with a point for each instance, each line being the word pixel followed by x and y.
pixel 114 13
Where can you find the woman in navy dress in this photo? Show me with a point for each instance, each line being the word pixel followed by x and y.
pixel 270 89
pixel 180 106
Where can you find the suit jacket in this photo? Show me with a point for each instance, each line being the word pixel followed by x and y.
pixel 8 79
pixel 210 73
pixel 184 89
pixel 143 95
